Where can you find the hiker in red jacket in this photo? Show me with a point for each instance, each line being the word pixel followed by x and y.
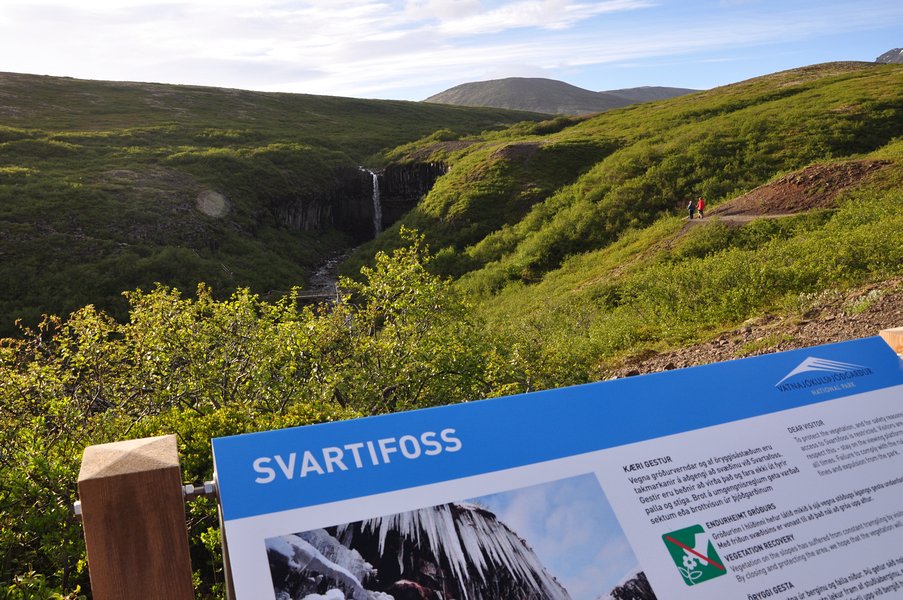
pixel 700 207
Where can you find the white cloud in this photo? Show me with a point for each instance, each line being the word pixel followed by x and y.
pixel 543 14
pixel 442 9
pixel 376 47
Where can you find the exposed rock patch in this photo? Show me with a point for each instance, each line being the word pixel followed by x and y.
pixel 814 187
pixel 150 178
pixel 517 151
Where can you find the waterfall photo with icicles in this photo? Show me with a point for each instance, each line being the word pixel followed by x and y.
pixel 554 541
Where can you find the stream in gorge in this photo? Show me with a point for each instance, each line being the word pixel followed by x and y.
pixel 322 283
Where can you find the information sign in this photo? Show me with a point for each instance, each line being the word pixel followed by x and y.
pixel 779 476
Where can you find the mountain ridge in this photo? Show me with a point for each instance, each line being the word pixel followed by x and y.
pixel 894 56
pixel 548 96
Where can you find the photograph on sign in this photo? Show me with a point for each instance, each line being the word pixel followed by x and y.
pixel 558 540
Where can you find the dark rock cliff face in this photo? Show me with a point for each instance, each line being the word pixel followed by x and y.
pixel 347 203
pixel 402 186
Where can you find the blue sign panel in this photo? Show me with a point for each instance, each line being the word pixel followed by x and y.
pixel 293 468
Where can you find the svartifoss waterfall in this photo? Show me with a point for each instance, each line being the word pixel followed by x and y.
pixel 377 205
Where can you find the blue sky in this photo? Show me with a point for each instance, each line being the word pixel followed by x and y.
pixel 573 530
pixel 411 49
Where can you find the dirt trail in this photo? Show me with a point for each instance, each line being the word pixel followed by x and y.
pixel 831 317
pixel 812 188
pixel 738 219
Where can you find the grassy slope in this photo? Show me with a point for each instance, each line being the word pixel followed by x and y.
pixel 540 225
pixel 99 181
pixel 570 231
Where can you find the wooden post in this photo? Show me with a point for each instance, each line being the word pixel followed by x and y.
pixel 133 514
pixel 894 338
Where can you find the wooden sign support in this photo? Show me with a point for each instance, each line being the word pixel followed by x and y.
pixel 133 512
pixel 894 337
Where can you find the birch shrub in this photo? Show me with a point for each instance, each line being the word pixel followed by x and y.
pixel 202 368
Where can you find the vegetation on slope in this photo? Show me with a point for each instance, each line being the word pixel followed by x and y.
pixel 571 235
pixel 202 368
pixel 640 163
pixel 574 228
pixel 665 286
pixel 106 187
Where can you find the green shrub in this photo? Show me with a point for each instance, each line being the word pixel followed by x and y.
pixel 201 368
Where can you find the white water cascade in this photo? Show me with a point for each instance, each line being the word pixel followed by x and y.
pixel 377 205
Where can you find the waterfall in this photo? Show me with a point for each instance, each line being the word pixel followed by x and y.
pixel 377 205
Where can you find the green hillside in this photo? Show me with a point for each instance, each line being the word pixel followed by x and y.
pixel 105 187
pixel 586 217
pixel 559 253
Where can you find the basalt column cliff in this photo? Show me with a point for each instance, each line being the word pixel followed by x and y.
pixel 347 201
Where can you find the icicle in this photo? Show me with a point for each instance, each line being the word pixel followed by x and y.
pixel 472 542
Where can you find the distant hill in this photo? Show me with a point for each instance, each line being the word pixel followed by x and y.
pixel 891 56
pixel 547 96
